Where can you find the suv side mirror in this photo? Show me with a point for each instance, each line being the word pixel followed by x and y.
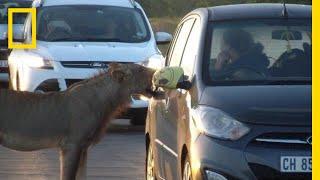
pixel 171 78
pixel 163 37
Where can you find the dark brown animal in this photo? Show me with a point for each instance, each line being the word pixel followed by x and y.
pixel 71 120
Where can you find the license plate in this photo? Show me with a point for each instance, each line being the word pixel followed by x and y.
pixel 3 63
pixel 296 164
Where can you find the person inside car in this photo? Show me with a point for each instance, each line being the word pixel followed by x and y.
pixel 57 28
pixel 240 58
pixel 291 61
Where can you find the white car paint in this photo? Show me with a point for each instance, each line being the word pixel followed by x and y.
pixel 56 52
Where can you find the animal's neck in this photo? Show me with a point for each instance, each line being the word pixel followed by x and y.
pixel 102 94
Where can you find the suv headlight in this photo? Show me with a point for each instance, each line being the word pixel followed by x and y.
pixel 216 123
pixel 155 62
pixel 36 61
pixel 144 63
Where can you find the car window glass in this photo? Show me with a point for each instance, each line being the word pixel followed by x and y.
pixel 191 49
pixel 260 51
pixel 74 23
pixel 181 42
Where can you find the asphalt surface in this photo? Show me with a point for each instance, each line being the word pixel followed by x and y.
pixel 119 156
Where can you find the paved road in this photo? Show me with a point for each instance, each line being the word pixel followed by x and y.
pixel 119 156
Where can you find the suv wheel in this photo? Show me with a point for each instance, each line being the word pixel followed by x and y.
pixel 187 169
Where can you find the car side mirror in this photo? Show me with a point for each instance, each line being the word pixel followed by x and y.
pixel 171 78
pixel 163 37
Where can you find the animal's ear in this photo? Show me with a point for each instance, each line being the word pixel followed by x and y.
pixel 118 72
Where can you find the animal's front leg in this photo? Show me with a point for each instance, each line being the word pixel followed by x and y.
pixel 82 168
pixel 69 160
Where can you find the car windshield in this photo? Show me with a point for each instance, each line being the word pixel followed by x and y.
pixel 259 51
pixel 18 18
pixel 91 23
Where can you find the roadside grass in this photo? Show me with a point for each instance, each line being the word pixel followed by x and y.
pixel 164 24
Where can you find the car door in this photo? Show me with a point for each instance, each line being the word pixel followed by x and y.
pixel 157 111
pixel 186 100
pixel 170 111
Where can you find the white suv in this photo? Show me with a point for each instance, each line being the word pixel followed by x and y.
pixel 77 38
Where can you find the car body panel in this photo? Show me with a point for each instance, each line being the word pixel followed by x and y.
pixel 172 118
pixel 270 104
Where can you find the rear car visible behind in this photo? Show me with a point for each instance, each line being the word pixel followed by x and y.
pixel 18 22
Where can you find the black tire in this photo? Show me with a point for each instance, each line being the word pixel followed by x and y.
pixel 150 171
pixel 139 117
pixel 186 169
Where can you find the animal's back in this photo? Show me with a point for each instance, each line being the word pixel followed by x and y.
pixel 32 116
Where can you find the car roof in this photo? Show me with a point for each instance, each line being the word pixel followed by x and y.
pixel 258 10
pixel 119 3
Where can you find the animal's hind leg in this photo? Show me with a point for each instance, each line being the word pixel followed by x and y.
pixel 69 160
pixel 82 168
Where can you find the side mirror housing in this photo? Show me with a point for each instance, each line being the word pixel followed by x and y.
pixel 163 37
pixel 171 78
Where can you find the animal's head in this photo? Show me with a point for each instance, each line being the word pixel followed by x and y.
pixel 135 77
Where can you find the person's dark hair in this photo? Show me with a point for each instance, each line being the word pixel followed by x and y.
pixel 238 39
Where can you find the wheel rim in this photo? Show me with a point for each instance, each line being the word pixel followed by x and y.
pixel 150 165
pixel 187 171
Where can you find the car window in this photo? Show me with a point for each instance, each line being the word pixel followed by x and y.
pixel 181 42
pixel 191 49
pixel 74 23
pixel 259 51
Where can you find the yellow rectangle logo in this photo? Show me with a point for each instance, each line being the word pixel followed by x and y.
pixel 33 44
